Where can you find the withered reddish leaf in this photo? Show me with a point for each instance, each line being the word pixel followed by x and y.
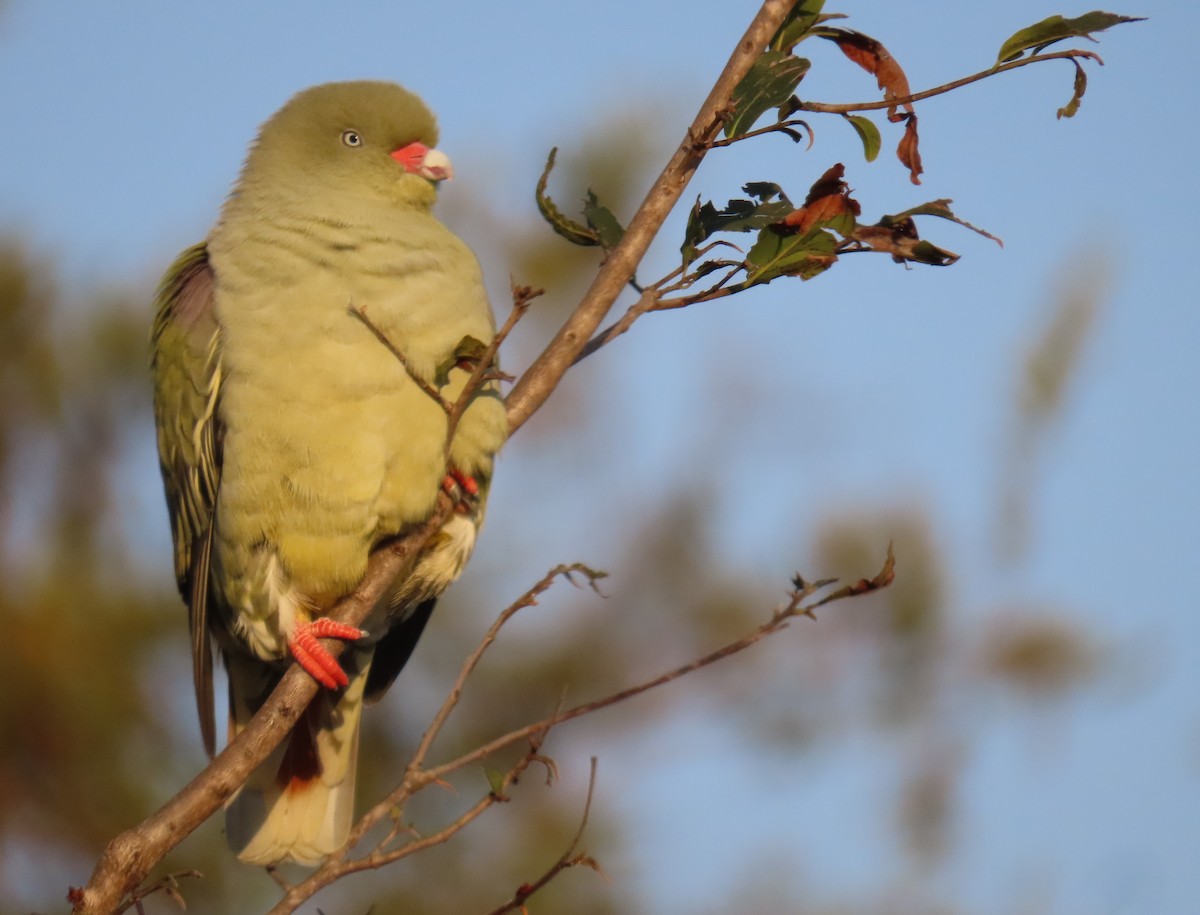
pixel 824 210
pixel 908 151
pixel 828 204
pixel 832 182
pixel 873 57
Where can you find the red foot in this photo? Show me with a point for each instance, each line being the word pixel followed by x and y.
pixel 309 653
pixel 456 478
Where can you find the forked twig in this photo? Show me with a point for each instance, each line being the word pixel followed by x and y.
pixel 416 778
pixel 566 860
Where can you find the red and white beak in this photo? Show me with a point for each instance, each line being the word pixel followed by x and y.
pixel 419 159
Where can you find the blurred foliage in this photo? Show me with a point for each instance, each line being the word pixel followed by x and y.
pixel 1051 362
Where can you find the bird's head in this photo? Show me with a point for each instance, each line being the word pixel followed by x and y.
pixel 363 139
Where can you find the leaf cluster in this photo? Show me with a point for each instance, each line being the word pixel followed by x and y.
pixel 806 240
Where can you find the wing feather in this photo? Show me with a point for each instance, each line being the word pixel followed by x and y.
pixel 186 365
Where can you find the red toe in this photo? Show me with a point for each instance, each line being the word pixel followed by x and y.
pixel 314 657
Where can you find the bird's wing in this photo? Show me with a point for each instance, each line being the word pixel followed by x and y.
pixel 186 364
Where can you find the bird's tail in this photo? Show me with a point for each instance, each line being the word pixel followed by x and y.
pixel 297 805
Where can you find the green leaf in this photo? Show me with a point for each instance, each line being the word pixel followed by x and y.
pixel 770 83
pixel 569 229
pixel 795 27
pixel 694 233
pixel 779 253
pixel 925 252
pixel 495 781
pixel 470 349
pixel 738 216
pixel 1055 28
pixel 466 355
pixel 745 216
pixel 868 133
pixel 765 191
pixel 1068 110
pixel 601 220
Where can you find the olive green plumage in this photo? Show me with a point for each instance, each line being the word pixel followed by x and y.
pixel 293 440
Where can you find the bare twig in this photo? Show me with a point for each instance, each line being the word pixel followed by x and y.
pixel 648 301
pixel 787 127
pixel 522 298
pixel 340 864
pixel 168 885
pixel 779 620
pixel 391 347
pixel 567 859
pixel 528 599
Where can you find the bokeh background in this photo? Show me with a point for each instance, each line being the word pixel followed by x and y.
pixel 1014 727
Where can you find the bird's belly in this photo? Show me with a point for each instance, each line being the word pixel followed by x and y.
pixel 329 446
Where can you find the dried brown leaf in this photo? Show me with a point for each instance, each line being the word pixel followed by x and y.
pixel 828 202
pixel 908 151
pixel 873 57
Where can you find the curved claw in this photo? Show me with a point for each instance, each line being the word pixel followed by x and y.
pixel 314 657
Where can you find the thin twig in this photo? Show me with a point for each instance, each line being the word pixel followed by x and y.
pixel 522 298
pixel 785 127
pixel 567 859
pixel 827 108
pixel 383 338
pixel 796 607
pixel 339 864
pixel 415 778
pixel 168 885
pixel 647 302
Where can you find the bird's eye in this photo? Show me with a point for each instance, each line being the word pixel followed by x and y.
pixel 352 138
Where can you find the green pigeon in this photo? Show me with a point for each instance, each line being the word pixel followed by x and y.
pixel 306 358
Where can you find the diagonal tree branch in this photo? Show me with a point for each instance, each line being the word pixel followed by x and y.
pixel 548 369
pixel 130 856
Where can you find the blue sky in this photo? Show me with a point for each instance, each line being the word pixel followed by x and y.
pixel 127 123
